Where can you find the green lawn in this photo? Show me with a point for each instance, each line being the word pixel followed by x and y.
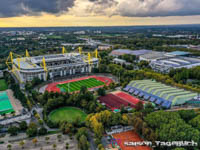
pixel 76 86
pixel 68 114
pixel 3 85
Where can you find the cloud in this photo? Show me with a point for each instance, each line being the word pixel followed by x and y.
pixel 12 8
pixel 128 8
pixel 146 8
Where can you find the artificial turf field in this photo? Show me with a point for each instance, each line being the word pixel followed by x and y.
pixel 76 86
pixel 5 105
pixel 68 114
pixel 3 85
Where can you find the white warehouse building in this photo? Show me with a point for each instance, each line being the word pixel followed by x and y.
pixel 166 64
pixel 55 65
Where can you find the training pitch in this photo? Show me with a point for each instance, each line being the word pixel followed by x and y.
pixel 5 105
pixel 76 86
pixel 68 114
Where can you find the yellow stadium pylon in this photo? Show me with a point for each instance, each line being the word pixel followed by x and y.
pixel 89 58
pixel 64 50
pixel 80 50
pixel 44 64
pixel 18 61
pixel 27 54
pixel 96 53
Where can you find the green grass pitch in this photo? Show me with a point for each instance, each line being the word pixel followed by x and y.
pixel 3 85
pixel 68 114
pixel 76 86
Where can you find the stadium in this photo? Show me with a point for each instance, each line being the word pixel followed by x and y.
pixel 56 65
pixel 74 85
pixel 160 94
pixel 117 99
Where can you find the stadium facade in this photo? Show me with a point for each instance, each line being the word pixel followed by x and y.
pixel 55 65
pixel 158 93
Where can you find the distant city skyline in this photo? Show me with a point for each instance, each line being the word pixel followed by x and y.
pixel 46 13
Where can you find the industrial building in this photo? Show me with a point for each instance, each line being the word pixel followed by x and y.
pixel 55 65
pixel 158 93
pixel 137 53
pixel 166 64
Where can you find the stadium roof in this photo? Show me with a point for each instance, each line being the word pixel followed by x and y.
pixel 160 93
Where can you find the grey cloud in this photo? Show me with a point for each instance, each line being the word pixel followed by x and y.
pixel 12 8
pixel 155 8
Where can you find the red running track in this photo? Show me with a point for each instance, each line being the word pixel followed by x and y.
pixel 52 87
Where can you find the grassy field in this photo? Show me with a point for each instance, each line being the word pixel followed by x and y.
pixel 3 85
pixel 76 86
pixel 68 114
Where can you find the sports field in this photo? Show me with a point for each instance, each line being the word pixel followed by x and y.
pixel 5 105
pixel 76 86
pixel 68 114
pixel 129 136
pixel 3 85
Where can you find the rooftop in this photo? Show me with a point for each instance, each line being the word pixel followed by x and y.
pixel 178 53
pixel 130 52
pixel 161 93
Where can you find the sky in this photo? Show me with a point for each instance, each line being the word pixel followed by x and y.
pixel 45 13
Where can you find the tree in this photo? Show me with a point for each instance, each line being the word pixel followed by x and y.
pixel 42 131
pixel 139 106
pixel 54 146
pixel 101 92
pixel 23 126
pixel 47 139
pixel 81 131
pixel 35 141
pixel 32 130
pixel 9 146
pixel 21 143
pixel 83 143
pixel 59 136
pixel 13 130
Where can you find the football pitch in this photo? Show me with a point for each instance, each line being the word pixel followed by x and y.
pixel 68 114
pixel 76 86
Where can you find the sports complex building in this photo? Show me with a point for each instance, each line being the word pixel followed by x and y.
pixel 55 65
pixel 160 94
pixel 5 104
